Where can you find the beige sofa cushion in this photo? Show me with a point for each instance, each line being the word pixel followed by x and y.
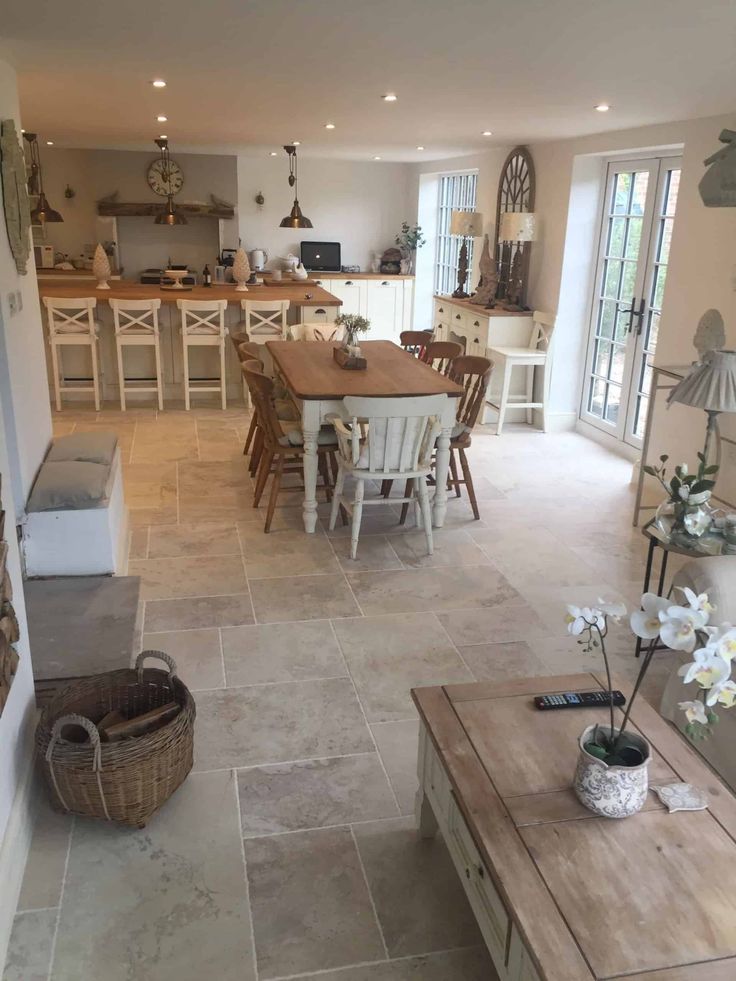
pixel 86 447
pixel 68 485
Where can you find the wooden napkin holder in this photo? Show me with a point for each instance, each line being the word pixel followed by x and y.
pixel 347 360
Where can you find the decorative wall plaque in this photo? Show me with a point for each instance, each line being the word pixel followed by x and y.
pixel 516 189
pixel 15 195
pixel 9 632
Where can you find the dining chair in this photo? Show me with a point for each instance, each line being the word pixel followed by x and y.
pixel 265 320
pixel 71 323
pixel 415 341
pixel 203 325
pixel 440 355
pixel 386 439
pixel 283 444
pixel 136 325
pixel 538 353
pixel 474 374
pixel 316 332
pixel 248 351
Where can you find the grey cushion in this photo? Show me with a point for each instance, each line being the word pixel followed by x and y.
pixel 68 485
pixel 87 447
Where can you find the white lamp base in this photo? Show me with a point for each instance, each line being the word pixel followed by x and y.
pixel 241 288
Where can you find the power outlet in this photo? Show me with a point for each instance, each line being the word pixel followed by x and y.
pixel 20 300
pixel 12 303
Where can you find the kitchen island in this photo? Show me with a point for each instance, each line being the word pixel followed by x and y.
pixel 308 302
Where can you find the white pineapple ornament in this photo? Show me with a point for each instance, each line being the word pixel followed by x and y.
pixel 241 270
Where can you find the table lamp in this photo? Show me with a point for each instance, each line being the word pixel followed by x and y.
pixel 469 224
pixel 519 227
pixel 711 386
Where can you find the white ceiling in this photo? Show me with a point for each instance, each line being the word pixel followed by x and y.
pixel 256 75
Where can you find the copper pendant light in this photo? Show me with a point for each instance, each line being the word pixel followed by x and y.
pixel 295 218
pixel 43 211
pixel 170 216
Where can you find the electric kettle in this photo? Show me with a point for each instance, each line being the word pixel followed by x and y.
pixel 258 259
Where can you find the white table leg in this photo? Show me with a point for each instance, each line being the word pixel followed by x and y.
pixel 424 815
pixel 310 428
pixel 442 463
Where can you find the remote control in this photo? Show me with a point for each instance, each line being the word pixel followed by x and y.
pixel 578 699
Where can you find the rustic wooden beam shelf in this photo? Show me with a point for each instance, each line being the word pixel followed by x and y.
pixel 150 209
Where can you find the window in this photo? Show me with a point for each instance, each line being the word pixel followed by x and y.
pixel 457 192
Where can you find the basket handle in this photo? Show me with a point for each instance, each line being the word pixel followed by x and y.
pixel 94 738
pixel 162 656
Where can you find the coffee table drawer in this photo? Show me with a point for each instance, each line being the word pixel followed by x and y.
pixel 436 782
pixel 489 910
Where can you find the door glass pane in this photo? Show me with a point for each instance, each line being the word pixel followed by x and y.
pixel 628 282
pixel 602 358
pixel 613 403
pixel 633 239
pixel 621 194
pixel 606 318
pixel 612 279
pixel 616 237
pixel 639 195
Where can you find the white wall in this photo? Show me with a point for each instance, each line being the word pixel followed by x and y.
pixel 360 205
pixel 93 174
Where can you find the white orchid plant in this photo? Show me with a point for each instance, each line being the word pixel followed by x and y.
pixel 679 627
pixel 687 492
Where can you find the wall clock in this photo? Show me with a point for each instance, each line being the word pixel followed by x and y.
pixel 165 177
pixel 15 195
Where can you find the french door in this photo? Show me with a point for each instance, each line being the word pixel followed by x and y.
pixel 636 231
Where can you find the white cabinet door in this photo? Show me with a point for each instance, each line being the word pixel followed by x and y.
pixel 352 293
pixel 385 309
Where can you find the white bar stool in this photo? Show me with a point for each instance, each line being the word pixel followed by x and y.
pixel 71 323
pixel 537 353
pixel 203 325
pixel 136 325
pixel 265 320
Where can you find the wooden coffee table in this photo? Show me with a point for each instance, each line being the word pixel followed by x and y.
pixel 560 894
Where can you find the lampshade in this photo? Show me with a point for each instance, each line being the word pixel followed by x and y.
pixel 170 216
pixel 468 223
pixel 43 211
pixel 295 218
pixel 517 226
pixel 710 385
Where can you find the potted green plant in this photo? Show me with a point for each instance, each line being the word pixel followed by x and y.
pixel 611 777
pixel 685 515
pixel 353 325
pixel 409 239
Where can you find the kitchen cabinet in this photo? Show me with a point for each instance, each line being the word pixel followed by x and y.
pixel 478 329
pixel 387 301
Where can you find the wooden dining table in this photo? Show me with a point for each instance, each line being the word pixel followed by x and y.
pixel 318 385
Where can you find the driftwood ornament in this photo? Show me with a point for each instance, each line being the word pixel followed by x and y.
pixel 488 283
pixel 718 185
pixel 15 195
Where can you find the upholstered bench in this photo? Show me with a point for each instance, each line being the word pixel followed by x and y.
pixel 76 520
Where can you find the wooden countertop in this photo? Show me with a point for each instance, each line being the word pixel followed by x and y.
pixel 389 277
pixel 311 372
pixel 481 311
pixel 299 295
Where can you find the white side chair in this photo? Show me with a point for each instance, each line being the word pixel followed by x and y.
pixel 386 439
pixel 538 353
pixel 71 323
pixel 203 325
pixel 136 325
pixel 265 320
pixel 316 332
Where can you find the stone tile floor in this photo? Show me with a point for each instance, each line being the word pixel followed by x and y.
pixel 289 852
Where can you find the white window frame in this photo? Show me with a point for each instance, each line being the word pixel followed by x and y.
pixel 456 190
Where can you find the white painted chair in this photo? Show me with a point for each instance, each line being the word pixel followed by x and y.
pixel 71 323
pixel 386 439
pixel 538 353
pixel 203 325
pixel 136 325
pixel 316 332
pixel 265 320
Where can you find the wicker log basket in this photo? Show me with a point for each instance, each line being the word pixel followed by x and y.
pixel 125 781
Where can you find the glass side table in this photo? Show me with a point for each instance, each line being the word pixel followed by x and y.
pixel 711 543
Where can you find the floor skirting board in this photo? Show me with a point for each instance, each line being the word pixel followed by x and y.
pixel 14 852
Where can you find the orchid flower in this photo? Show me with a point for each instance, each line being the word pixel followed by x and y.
pixel 679 625
pixel 723 693
pixel 613 610
pixel 582 618
pixel 723 640
pixel 645 623
pixel 707 668
pixel 694 712
pixel 696 602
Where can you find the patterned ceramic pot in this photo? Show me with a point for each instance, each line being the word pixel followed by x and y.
pixel 612 791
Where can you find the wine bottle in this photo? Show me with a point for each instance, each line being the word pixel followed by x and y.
pixel 206 276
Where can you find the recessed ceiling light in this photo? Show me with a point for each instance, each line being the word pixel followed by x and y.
pixel 22 131
pixel 329 125
pixel 273 153
pixel 389 97
pixel 49 142
pixel 162 136
pixel 602 107
pixel 376 158
pixel 295 143
pixel 486 132
pixel 158 83
pixel 162 119
pixel 420 148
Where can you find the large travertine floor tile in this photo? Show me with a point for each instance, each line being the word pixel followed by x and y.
pixel 302 598
pixel 311 907
pixel 469 964
pixel 197 653
pixel 29 949
pixel 499 662
pixel 275 652
pixel 138 548
pixel 278 723
pixel 287 553
pixel 452 547
pixel 192 540
pixel 420 902
pixel 388 656
pixel 150 486
pixel 398 745
pixel 198 611
pixel 44 871
pixel 375 554
pixel 431 590
pixel 313 794
pixel 529 554
pixel 166 902
pixel 225 482
pixel 503 624
pixel 204 576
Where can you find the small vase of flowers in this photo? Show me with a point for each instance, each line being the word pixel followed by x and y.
pixel 353 325
pixel 409 239
pixel 685 515
pixel 611 778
